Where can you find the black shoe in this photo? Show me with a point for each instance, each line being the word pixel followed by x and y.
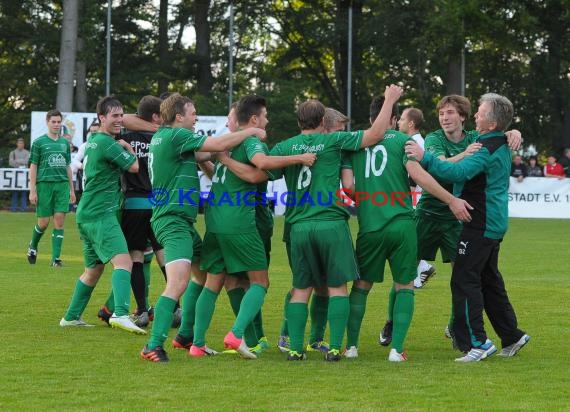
pixel 177 318
pixel 333 355
pixel 155 355
pixel 296 356
pixel 180 342
pixel 427 275
pixel 32 255
pixel 385 337
pixel 104 314
pixel 56 263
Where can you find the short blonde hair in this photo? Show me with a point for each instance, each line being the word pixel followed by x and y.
pixel 333 117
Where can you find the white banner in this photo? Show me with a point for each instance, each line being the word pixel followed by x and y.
pixel 541 197
pixel 76 125
pixel 14 179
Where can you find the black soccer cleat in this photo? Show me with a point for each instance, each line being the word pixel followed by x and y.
pixel 385 337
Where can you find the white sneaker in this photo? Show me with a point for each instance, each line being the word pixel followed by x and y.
pixel 513 349
pixel 351 352
pixel 124 322
pixel 478 354
pixel 394 356
pixel 418 282
pixel 75 322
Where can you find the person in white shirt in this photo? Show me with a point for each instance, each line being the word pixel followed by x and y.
pixel 410 122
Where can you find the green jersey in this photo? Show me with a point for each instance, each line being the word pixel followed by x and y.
pixel 104 162
pixel 232 203
pixel 263 216
pixel 52 156
pixel 437 144
pixel 314 191
pixel 173 172
pixel 381 178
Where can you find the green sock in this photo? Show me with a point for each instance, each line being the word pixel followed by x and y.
pixel 162 321
pixel 121 284
pixel 318 311
pixel 284 326
pixel 403 312
pixel 258 325
pixel 205 306
pixel 189 309
pixel 56 241
pixel 391 300
pixel 251 304
pixel 110 304
pixel 79 300
pixel 297 314
pixel 37 234
pixel 357 301
pixel 339 308
pixel 146 271
pixel 235 296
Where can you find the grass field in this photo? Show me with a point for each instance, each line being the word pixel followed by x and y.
pixel 44 367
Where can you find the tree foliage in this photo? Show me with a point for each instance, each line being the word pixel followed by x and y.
pixel 290 50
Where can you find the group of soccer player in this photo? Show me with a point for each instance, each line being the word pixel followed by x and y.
pixel 161 190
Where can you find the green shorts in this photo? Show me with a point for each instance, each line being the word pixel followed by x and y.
pixel 102 240
pixel 265 235
pixel 233 253
pixel 396 243
pixel 53 197
pixel 322 254
pixel 436 234
pixel 178 238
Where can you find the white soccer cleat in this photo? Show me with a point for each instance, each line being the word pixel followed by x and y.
pixel 124 322
pixel 75 322
pixel 394 356
pixel 351 353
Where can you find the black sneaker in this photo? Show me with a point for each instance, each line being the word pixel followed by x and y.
pixel 427 275
pixel 32 255
pixel 296 356
pixel 155 355
pixel 56 263
pixel 385 337
pixel 104 314
pixel 333 355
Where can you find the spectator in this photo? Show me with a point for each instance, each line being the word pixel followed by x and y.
pixel 518 168
pixel 533 169
pixel 553 169
pixel 19 158
pixel 564 161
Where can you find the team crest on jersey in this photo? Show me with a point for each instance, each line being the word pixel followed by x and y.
pixel 126 155
pixel 91 145
pixel 57 160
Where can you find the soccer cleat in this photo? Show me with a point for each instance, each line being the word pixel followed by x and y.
pixel 477 354
pixel 394 356
pixel 141 320
pixel 180 342
pixel 427 275
pixel 283 344
pixel 318 346
pixel 124 322
pixel 104 314
pixel 75 322
pixel 296 356
pixel 32 255
pixel 333 355
pixel 512 350
pixel 157 354
pixel 385 337
pixel 264 343
pixel 177 318
pixel 351 353
pixel 150 313
pixel 200 351
pixel 56 263
pixel 231 341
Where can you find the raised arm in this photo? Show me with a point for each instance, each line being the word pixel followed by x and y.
pixel 376 132
pixel 135 123
pixel 230 140
pixel 265 162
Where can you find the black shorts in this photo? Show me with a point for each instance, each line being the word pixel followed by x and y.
pixel 135 224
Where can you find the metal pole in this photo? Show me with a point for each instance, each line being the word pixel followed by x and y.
pixel 349 70
pixel 231 57
pixel 463 71
pixel 108 68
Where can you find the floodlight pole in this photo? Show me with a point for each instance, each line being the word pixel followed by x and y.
pixel 108 67
pixel 231 57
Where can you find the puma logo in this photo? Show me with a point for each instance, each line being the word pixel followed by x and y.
pixel 464 244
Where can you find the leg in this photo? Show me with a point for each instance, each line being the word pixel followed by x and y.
pixel 318 313
pixel 358 297
pixel 205 306
pixel 81 295
pixel 297 314
pixel 57 238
